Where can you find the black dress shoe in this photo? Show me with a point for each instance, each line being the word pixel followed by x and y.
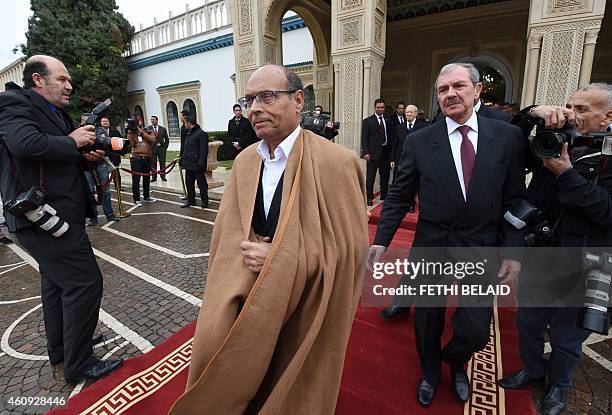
pixel 393 311
pixel 204 205
pixel 98 370
pixel 460 382
pixel 153 180
pixel 186 205
pixel 112 218
pixel 519 380
pixel 97 339
pixel 164 179
pixel 425 393
pixel 554 401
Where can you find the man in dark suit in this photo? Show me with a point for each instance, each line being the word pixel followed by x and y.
pixel 468 171
pixel 397 122
pixel 411 125
pixel 376 144
pixel 240 131
pixel 40 147
pixel 160 148
pixel 193 160
pixel 183 118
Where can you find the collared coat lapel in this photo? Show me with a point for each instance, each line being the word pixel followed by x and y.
pixel 442 158
pixel 43 105
pixel 248 184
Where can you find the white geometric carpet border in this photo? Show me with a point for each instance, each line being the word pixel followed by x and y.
pixel 140 385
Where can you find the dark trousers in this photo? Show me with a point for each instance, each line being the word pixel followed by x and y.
pixel 565 339
pixel 382 164
pixel 471 327
pixel 191 176
pixel 71 290
pixel 161 156
pixel 141 165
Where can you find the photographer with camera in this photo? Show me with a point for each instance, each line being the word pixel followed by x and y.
pixel 45 201
pixel 142 148
pixel 320 123
pixel 572 190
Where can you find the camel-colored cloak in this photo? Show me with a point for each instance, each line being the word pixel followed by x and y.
pixel 274 343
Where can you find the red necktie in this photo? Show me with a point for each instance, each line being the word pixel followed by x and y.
pixel 468 157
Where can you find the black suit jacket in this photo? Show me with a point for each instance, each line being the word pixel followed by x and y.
pixel 494 113
pixel 243 133
pixel 36 137
pixel 162 139
pixel 445 218
pixel 401 135
pixel 371 140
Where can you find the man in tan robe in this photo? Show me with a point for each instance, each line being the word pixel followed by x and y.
pixel 280 298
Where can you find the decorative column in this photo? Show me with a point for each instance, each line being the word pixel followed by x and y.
pixel 590 39
pixel 358 52
pixel 568 29
pixel 254 43
pixel 531 70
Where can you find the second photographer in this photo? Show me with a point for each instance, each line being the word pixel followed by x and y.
pixel 572 191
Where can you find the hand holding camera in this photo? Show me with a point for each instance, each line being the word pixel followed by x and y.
pixel 553 117
pixel 84 136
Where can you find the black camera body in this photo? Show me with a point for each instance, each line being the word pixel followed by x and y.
pixel 131 125
pixel 26 201
pixel 317 124
pixel 523 215
pixel 547 144
pixel 31 205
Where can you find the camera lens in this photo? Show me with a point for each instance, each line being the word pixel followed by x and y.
pixel 547 144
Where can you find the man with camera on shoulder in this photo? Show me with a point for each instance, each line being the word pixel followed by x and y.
pixel 320 123
pixel 571 187
pixel 46 197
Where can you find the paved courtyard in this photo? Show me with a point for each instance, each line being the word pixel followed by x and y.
pixel 154 265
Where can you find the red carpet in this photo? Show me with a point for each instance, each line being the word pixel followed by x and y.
pixel 148 384
pixel 380 375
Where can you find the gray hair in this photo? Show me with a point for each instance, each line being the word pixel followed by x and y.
pixel 605 89
pixel 294 83
pixel 473 72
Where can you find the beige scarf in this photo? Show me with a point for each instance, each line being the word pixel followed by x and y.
pixel 274 343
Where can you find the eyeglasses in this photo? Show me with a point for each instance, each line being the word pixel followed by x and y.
pixel 263 98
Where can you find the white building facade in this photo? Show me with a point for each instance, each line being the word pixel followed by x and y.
pixel 188 62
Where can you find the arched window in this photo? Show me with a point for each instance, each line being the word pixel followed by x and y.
pixel 309 99
pixel 173 120
pixel 189 105
pixel 138 113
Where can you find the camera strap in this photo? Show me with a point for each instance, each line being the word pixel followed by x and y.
pixel 16 182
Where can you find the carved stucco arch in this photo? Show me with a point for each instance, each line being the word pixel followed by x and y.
pixel 274 13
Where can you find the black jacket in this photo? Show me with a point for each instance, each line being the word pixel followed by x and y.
pixel 371 138
pixel 578 204
pixel 445 218
pixel 400 136
pixel 163 141
pixel 195 150
pixel 37 138
pixel 243 133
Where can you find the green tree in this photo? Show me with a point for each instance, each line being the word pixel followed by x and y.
pixel 90 37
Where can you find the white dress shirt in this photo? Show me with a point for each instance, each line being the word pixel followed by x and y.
pixel 455 138
pixel 274 168
pixel 477 105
